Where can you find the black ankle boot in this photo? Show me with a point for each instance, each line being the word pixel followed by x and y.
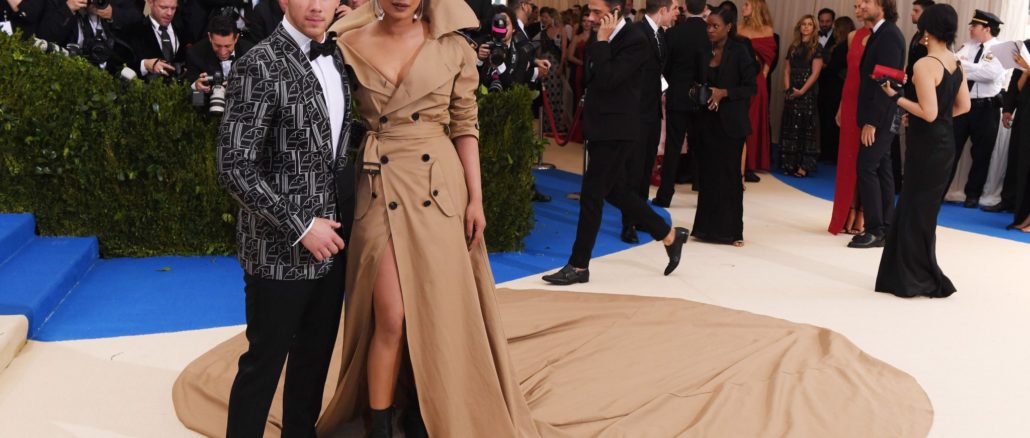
pixel 414 426
pixel 382 423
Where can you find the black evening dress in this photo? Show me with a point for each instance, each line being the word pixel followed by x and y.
pixel 720 202
pixel 908 267
pixel 799 148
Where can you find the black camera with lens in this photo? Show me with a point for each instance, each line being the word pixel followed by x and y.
pixel 97 50
pixel 216 103
pixel 99 4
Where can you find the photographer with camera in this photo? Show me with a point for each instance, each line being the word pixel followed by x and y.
pixel 158 50
pixel 522 9
pixel 208 62
pixel 502 63
pixel 88 28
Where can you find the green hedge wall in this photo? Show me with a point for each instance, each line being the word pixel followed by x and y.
pixel 134 164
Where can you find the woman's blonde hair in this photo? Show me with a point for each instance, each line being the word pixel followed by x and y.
pixel 799 41
pixel 760 16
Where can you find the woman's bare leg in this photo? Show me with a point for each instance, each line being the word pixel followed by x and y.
pixel 384 355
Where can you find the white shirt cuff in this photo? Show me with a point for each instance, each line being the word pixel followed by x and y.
pixel 536 74
pixel 143 67
pixel 312 224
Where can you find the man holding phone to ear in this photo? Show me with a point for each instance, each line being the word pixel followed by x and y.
pixel 611 124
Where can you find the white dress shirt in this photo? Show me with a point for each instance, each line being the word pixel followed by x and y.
pixel 823 39
pixel 332 90
pixel 988 75
pixel 157 34
pixel 878 24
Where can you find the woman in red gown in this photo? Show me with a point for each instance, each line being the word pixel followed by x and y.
pixel 847 215
pixel 758 27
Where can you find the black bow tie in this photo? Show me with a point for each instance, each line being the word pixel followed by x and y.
pixel 324 48
pixel 824 33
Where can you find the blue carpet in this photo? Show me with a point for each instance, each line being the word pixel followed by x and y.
pixel 821 184
pixel 122 297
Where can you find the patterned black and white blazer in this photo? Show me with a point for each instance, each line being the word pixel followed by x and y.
pixel 274 158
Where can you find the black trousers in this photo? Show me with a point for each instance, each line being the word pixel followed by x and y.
pixel 678 125
pixel 1010 187
pixel 640 161
pixel 875 176
pixel 605 179
pixel 286 319
pixel 981 125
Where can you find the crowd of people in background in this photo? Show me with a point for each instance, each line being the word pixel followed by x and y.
pixel 705 82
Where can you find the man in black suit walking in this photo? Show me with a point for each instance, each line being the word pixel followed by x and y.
pixel 611 124
pixel 876 113
pixel 689 52
pixel 658 15
pixel 282 156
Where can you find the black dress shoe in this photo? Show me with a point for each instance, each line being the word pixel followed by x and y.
pixel 971 202
pixel 661 203
pixel 568 275
pixel 751 177
pixel 540 197
pixel 382 423
pixel 867 240
pixel 676 249
pixel 998 208
pixel 629 235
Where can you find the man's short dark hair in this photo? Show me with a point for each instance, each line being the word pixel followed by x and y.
pixel 695 7
pixel 222 25
pixel 924 3
pixel 890 10
pixel 612 4
pixel 827 11
pixel 515 4
pixel 654 5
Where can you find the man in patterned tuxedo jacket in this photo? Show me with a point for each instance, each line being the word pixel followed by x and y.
pixel 282 155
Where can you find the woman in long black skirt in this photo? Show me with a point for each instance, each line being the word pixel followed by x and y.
pixel 909 267
pixel 731 73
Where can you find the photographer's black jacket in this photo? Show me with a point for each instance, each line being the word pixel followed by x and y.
pixel 60 25
pixel 145 44
pixel 262 21
pixel 201 58
pixel 30 12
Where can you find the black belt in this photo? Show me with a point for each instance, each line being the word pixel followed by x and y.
pixel 986 101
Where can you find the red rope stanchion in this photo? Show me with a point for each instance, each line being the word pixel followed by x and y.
pixel 577 119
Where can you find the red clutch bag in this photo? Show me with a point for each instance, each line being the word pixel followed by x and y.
pixel 880 72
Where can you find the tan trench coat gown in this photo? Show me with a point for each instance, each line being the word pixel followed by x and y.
pixel 557 364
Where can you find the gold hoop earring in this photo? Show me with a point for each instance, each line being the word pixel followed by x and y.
pixel 377 9
pixel 421 9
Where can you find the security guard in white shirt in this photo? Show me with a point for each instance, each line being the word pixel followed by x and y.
pixel 986 78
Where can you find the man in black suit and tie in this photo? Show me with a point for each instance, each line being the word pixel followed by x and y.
pixel 689 52
pixel 876 113
pixel 282 157
pixel 658 15
pixel 215 54
pixel 157 42
pixel 611 125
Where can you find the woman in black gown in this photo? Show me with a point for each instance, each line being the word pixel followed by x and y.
pixel 1020 90
pixel 909 267
pixel 732 75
